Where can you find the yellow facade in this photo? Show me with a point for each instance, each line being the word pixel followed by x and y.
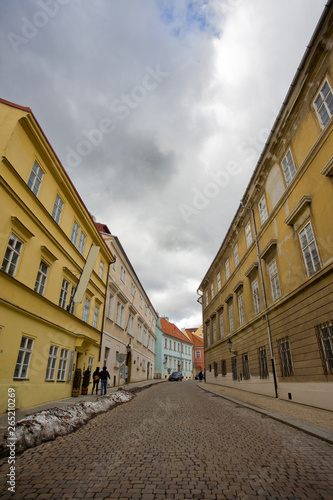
pixel 269 289
pixel 41 342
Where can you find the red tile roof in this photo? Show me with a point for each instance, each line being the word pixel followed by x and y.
pixel 102 228
pixel 197 341
pixel 171 329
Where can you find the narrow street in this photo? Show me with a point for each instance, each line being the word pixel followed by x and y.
pixel 175 441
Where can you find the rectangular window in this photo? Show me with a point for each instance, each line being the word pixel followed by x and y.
pixel 146 309
pixel 114 264
pixel 325 337
pixel 214 331
pixel 81 243
pixel 141 302
pixel 166 343
pixel 241 309
pixel 131 325
pixel 52 361
pixel 215 370
pixel 123 274
pixel 324 104
pixel 263 210
pixel 248 234
pixel 63 294
pixel 35 179
pixel 207 299
pixel 223 367
pixel 212 290
pixel 285 358
pixel 57 209
pixel 309 250
pixel 236 256
pixel 133 290
pixel 101 269
pixel 246 367
pixel 90 365
pixel 231 318
pixel 86 310
pixel 62 365
pixel 289 168
pixel 221 323
pixel 41 278
pixel 219 281
pixel 71 303
pixel 110 310
pixel 263 367
pixel 120 315
pixel 23 358
pixel 275 284
pixel 11 258
pixel 140 333
pixel 197 354
pixel 227 269
pixel 256 297
pixel 75 233
pixel 95 317
pixel 208 335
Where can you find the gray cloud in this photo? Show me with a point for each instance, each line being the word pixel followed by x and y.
pixel 179 91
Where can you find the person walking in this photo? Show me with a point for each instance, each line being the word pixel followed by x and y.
pixel 96 375
pixel 104 375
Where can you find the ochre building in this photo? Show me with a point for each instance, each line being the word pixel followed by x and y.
pixel 268 294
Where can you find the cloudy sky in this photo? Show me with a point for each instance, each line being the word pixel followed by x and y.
pixel 158 110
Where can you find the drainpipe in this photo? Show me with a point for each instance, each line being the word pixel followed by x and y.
pixel 265 300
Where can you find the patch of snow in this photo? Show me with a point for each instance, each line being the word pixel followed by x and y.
pixel 46 425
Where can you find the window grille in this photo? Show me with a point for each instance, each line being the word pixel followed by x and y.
pixel 234 368
pixel 246 367
pixel 285 358
pixel 325 340
pixel 263 367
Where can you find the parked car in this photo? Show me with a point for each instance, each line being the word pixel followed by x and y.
pixel 175 376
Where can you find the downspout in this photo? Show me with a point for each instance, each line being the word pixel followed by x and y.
pixel 265 300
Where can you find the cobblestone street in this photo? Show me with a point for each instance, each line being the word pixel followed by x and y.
pixel 175 441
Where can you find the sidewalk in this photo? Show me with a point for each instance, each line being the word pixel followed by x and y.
pixel 313 421
pixel 61 403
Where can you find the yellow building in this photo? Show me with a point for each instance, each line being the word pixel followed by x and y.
pixel 128 345
pixel 268 294
pixel 46 236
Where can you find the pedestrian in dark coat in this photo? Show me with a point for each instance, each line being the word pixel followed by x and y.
pixel 104 375
pixel 95 380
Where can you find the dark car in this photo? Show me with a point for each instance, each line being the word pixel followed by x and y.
pixel 175 376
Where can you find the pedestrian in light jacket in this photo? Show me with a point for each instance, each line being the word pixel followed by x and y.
pixel 104 375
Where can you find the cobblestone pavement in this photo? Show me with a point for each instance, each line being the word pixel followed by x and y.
pixel 175 441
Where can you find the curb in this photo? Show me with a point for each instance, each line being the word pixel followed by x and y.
pixel 312 430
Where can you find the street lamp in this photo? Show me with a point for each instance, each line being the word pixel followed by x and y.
pixel 229 344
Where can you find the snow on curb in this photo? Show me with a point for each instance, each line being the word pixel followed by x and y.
pixel 46 425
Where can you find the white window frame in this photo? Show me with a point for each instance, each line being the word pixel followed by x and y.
pixel 123 274
pixel 227 269
pixel 63 294
pixel 309 249
pixel 41 277
pixel 139 334
pixel 197 354
pixel 57 209
pixel 256 296
pixel 219 283
pixel 96 311
pixel 207 298
pixel 324 108
pixel 120 314
pixel 62 365
pixel 133 289
pixel 236 255
pixel 35 178
pixel 101 269
pixel 263 210
pixel 75 233
pixel 86 310
pixel 240 300
pixel 248 234
pixel 231 318
pixel 130 328
pixel 71 302
pixel 52 363
pixel 274 279
pixel 12 255
pixel 212 290
pixel 23 358
pixel 288 167
pixel 221 324
pixel 82 242
pixel 110 311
